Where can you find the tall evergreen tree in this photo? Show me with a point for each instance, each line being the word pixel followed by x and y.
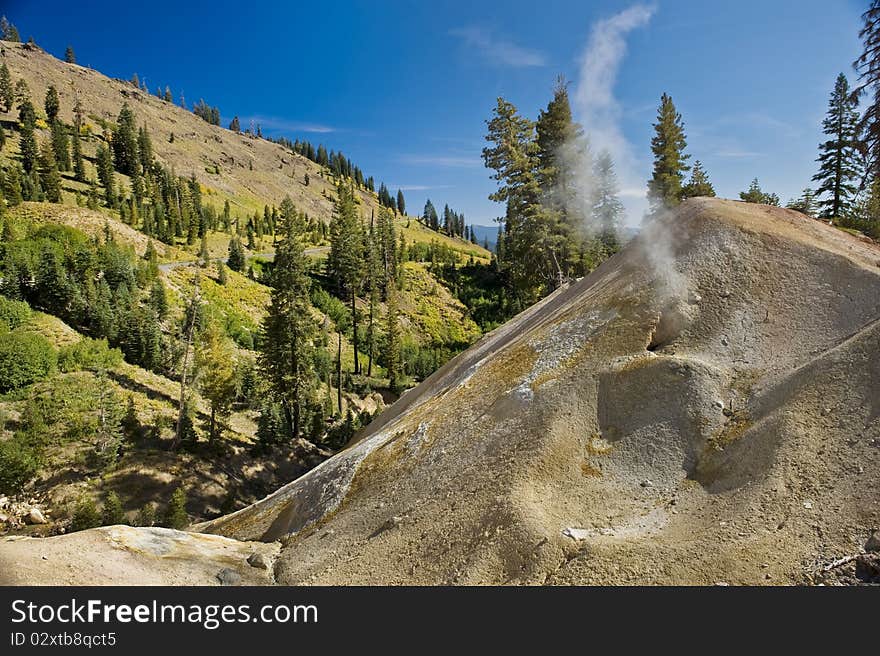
pixel 145 148
pixel 52 104
pixel 868 68
pixel 8 31
pixel 50 178
pixel 393 365
pixel 531 245
pixel 289 331
pixel 429 216
pixel 401 202
pixel 374 287
pixel 27 141
pixel 235 125
pixel 79 167
pixel 69 55
pixel 216 377
pixel 699 184
pixel 236 260
pixel 106 176
pixel 345 262
pixel 61 146
pixel 562 152
pixel 839 167
pixel 7 92
pixel 607 208
pixel 667 145
pixel 125 146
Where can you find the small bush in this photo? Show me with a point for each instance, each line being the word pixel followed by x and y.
pixel 13 313
pixel 175 514
pixel 113 513
pixel 88 354
pixel 24 359
pixel 85 515
pixel 19 462
pixel 146 515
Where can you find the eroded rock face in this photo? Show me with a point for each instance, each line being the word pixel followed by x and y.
pixel 123 555
pixel 702 408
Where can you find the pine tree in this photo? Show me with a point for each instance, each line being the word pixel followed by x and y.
pixel 607 208
pixel 531 243
pixel 50 178
pixel 12 186
pixel 79 167
pixel 175 514
pixel 236 260
pixel 235 125
pixel 216 367
pixel 838 159
pixel 8 31
pixel 286 350
pixel 754 194
pixel 106 176
pixel 145 148
pixel 868 68
pixel 125 147
pixel 805 204
pixel 85 515
pixel 52 104
pixel 401 202
pixel 69 55
pixel 668 144
pixel 27 141
pixel 429 216
pixel 7 94
pixel 60 145
pixel 699 184
pixel 204 257
pixel 392 343
pixel 345 262
pixel 113 514
pixel 561 151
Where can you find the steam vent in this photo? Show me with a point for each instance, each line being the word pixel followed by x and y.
pixel 702 409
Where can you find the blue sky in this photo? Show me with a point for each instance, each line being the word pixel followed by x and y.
pixel 404 88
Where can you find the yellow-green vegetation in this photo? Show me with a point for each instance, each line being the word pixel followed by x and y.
pixel 433 315
pixel 415 232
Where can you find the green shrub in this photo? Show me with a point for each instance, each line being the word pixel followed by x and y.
pixel 88 354
pixel 113 513
pixel 146 515
pixel 13 313
pixel 85 515
pixel 175 514
pixel 24 359
pixel 19 461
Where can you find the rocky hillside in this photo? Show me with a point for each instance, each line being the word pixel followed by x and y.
pixel 702 409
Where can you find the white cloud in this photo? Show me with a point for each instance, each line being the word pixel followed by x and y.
pixel 499 50
pixel 417 187
pixel 446 161
pixel 285 124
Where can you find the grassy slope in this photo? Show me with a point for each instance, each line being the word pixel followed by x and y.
pixel 252 172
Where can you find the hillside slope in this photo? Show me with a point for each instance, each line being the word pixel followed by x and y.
pixel 247 171
pixel 712 418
